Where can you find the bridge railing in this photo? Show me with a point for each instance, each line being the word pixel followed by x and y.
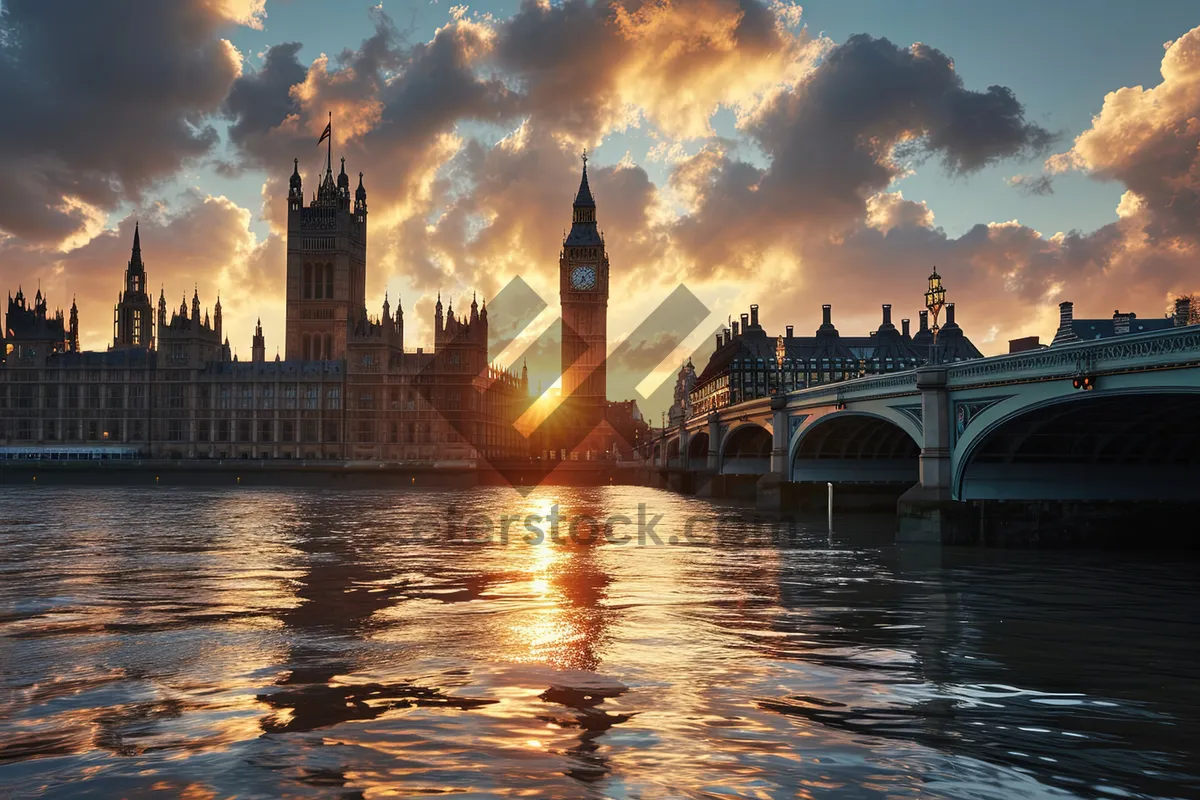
pixel 1172 347
pixel 871 386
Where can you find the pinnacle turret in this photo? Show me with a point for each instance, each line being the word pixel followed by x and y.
pixel 360 197
pixel 294 184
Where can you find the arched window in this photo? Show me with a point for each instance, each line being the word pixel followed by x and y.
pixel 305 347
pixel 308 281
pixel 328 347
pixel 329 281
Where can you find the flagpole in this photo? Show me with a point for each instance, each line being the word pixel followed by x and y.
pixel 329 147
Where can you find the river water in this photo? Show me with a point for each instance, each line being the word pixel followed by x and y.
pixel 367 644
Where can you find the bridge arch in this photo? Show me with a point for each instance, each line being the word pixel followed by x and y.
pixel 1124 444
pixel 855 446
pixel 746 450
pixel 673 452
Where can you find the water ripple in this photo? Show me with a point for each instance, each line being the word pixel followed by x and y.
pixel 356 644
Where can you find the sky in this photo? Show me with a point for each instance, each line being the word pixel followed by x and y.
pixel 755 151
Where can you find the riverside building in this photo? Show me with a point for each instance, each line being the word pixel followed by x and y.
pixel 347 387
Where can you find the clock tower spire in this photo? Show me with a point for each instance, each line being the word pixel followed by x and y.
pixel 583 294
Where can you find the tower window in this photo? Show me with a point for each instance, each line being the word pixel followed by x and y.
pixel 329 281
pixel 308 280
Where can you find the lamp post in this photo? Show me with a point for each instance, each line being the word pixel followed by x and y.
pixel 935 300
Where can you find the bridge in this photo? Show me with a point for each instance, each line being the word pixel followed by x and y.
pixel 1080 433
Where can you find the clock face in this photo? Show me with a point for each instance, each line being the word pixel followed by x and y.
pixel 583 278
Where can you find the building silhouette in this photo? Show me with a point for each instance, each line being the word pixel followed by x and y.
pixel 747 363
pixel 347 387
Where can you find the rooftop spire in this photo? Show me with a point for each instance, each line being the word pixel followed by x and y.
pixel 584 198
pixel 327 191
pixel 294 181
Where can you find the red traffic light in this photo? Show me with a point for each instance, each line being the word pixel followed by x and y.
pixel 1084 382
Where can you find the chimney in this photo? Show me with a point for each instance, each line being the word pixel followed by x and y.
pixel 1120 323
pixel 904 328
pixel 826 314
pixel 719 342
pixel 745 323
pixel 949 314
pixel 789 330
pixel 734 326
pixel 1066 314
pixel 887 313
pixel 754 315
pixel 1066 330
pixel 1183 311
pixel 924 317
pixel 726 335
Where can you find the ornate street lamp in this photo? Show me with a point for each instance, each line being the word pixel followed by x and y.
pixel 935 301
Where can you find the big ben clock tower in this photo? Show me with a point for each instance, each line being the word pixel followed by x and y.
pixel 583 294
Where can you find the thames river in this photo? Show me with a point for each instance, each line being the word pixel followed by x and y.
pixel 610 642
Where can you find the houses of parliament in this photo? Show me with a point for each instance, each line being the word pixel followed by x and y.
pixel 346 388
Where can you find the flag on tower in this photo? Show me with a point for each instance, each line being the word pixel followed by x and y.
pixel 327 132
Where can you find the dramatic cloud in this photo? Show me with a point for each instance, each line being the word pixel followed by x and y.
pixel 587 68
pixel 889 210
pixel 1149 140
pixel 837 140
pixel 260 101
pixel 103 100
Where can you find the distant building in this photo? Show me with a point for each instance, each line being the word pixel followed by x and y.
pixel 681 407
pixel 1122 323
pixel 747 363
pixel 347 389
pixel 631 429
pixel 30 331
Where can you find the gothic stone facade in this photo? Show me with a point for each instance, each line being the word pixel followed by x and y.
pixel 347 390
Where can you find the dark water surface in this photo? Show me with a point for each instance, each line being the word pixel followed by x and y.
pixel 301 643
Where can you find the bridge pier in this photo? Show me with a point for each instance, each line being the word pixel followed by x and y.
pixel 679 481
pixel 926 513
pixel 714 442
pixel 779 437
pixel 773 493
pixel 710 484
